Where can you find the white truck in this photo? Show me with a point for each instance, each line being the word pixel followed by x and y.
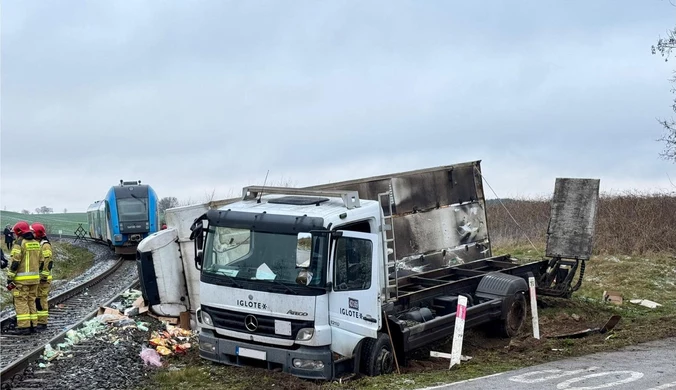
pixel 347 277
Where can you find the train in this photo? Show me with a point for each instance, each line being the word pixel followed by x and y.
pixel 127 215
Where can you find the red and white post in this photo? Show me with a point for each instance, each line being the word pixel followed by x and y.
pixel 461 312
pixel 534 307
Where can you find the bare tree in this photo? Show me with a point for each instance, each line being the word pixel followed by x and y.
pixel 65 210
pixel 24 211
pixel 664 47
pixel 167 203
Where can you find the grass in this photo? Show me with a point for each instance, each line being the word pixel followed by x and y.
pixel 649 276
pixel 69 262
pixel 66 222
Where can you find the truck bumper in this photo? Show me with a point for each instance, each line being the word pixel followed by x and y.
pixel 241 353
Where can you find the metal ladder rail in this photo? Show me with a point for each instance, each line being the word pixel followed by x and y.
pixel 388 225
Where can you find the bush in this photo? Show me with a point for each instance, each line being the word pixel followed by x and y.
pixel 627 223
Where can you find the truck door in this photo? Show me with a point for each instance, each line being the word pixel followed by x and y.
pixel 354 303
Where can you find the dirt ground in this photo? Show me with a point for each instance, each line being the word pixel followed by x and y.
pixel 488 354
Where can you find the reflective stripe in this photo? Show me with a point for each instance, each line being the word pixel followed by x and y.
pixel 47 253
pixel 10 274
pixel 15 251
pixel 32 245
pixel 34 316
pixel 27 276
pixel 21 317
pixel 43 313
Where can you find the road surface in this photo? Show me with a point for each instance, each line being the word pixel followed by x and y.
pixel 649 366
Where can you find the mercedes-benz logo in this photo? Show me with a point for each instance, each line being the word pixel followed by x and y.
pixel 251 323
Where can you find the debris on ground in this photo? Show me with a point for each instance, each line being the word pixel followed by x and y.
pixel 646 303
pixel 612 297
pixel 173 340
pixel 608 326
pixel 150 356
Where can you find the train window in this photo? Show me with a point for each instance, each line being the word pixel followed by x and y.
pixel 132 209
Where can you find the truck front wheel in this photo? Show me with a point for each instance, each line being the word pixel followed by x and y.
pixel 377 356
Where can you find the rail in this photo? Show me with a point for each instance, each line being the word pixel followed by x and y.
pixel 24 358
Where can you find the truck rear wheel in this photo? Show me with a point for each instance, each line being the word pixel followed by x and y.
pixel 377 356
pixel 515 316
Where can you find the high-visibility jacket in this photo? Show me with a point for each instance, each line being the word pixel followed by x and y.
pixel 25 263
pixel 46 264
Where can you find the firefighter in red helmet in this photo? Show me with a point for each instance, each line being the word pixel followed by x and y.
pixel 23 277
pixel 41 302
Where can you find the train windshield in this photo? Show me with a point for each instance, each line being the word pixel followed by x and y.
pixel 245 255
pixel 132 209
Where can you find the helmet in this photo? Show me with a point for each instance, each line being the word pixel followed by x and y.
pixel 21 228
pixel 39 230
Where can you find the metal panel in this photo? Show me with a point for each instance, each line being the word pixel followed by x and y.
pixel 439 229
pixel 441 259
pixel 572 219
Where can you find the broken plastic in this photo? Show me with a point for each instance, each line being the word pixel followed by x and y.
pixel 645 302
pixel 150 357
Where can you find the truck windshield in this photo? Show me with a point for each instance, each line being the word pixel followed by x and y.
pixel 244 254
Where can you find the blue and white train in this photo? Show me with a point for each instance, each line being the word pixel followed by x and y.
pixel 127 215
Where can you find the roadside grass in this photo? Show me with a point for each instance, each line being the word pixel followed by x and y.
pixel 69 262
pixel 66 222
pixel 650 276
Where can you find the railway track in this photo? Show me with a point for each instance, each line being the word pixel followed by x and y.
pixel 67 310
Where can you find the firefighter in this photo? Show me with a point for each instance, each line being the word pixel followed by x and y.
pixel 41 302
pixel 23 277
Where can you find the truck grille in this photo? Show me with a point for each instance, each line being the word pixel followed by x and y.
pixel 234 320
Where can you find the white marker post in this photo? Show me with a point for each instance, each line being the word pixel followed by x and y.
pixel 460 314
pixel 60 232
pixel 534 307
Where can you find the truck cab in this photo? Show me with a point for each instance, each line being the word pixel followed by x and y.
pixel 291 281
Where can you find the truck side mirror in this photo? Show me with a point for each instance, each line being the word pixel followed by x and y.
pixel 304 277
pixel 198 260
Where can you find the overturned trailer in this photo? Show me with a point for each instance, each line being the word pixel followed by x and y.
pixel 341 277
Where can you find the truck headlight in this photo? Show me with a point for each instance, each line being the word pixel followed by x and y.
pixel 208 347
pixel 308 364
pixel 206 318
pixel 305 334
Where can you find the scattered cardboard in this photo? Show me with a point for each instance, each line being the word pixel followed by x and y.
pixel 108 310
pixel 184 320
pixel 613 297
pixel 170 320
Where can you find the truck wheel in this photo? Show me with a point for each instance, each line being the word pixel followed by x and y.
pixel 377 356
pixel 515 316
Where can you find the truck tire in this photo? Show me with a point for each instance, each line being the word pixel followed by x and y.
pixel 515 316
pixel 377 356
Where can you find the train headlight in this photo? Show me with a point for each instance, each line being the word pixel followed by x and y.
pixel 117 237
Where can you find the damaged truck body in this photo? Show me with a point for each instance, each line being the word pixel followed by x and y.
pixel 346 277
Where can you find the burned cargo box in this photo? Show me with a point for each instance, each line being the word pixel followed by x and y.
pixel 438 214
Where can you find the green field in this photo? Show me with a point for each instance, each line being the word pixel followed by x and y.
pixel 67 223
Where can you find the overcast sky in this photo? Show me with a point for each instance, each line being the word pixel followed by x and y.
pixel 199 96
